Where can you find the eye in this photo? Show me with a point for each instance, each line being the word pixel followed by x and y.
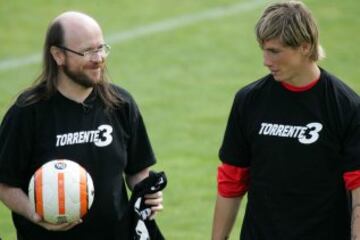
pixel 103 50
pixel 102 46
pixel 93 49
pixel 274 51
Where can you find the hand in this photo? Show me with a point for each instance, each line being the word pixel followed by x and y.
pixel 53 227
pixel 154 200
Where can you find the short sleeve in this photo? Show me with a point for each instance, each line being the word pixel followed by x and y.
pixel 15 146
pixel 234 149
pixel 140 153
pixel 351 142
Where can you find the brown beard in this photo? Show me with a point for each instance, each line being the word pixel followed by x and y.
pixel 81 78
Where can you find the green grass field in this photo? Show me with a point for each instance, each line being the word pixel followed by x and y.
pixel 183 61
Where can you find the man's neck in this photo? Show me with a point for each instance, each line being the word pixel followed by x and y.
pixel 306 75
pixel 72 90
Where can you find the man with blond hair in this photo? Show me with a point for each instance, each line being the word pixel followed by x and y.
pixel 292 141
pixel 73 95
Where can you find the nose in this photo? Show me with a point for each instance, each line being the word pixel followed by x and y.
pixel 266 59
pixel 97 57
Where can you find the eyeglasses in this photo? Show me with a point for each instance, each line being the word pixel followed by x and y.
pixel 103 50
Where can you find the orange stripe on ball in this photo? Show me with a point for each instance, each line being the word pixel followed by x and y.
pixel 83 193
pixel 61 193
pixel 39 207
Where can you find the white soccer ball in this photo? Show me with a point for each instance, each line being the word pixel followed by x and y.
pixel 61 191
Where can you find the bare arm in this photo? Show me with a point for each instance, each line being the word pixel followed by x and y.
pixel 17 201
pixel 226 210
pixel 355 219
pixel 155 200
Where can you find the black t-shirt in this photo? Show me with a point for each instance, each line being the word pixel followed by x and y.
pixel 106 143
pixel 297 146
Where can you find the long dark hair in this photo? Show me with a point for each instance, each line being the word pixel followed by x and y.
pixel 45 84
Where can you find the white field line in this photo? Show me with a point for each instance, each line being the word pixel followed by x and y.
pixel 162 26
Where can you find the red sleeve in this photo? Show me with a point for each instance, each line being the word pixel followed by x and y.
pixel 352 179
pixel 232 181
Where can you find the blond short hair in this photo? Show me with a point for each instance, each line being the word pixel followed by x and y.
pixel 293 24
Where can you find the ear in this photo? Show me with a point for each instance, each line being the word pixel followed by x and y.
pixel 58 55
pixel 305 48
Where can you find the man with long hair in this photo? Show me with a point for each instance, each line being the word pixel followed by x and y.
pixel 71 100
pixel 292 141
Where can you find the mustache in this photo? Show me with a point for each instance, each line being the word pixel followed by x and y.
pixel 95 65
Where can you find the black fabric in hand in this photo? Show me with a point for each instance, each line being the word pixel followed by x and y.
pixel 143 227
